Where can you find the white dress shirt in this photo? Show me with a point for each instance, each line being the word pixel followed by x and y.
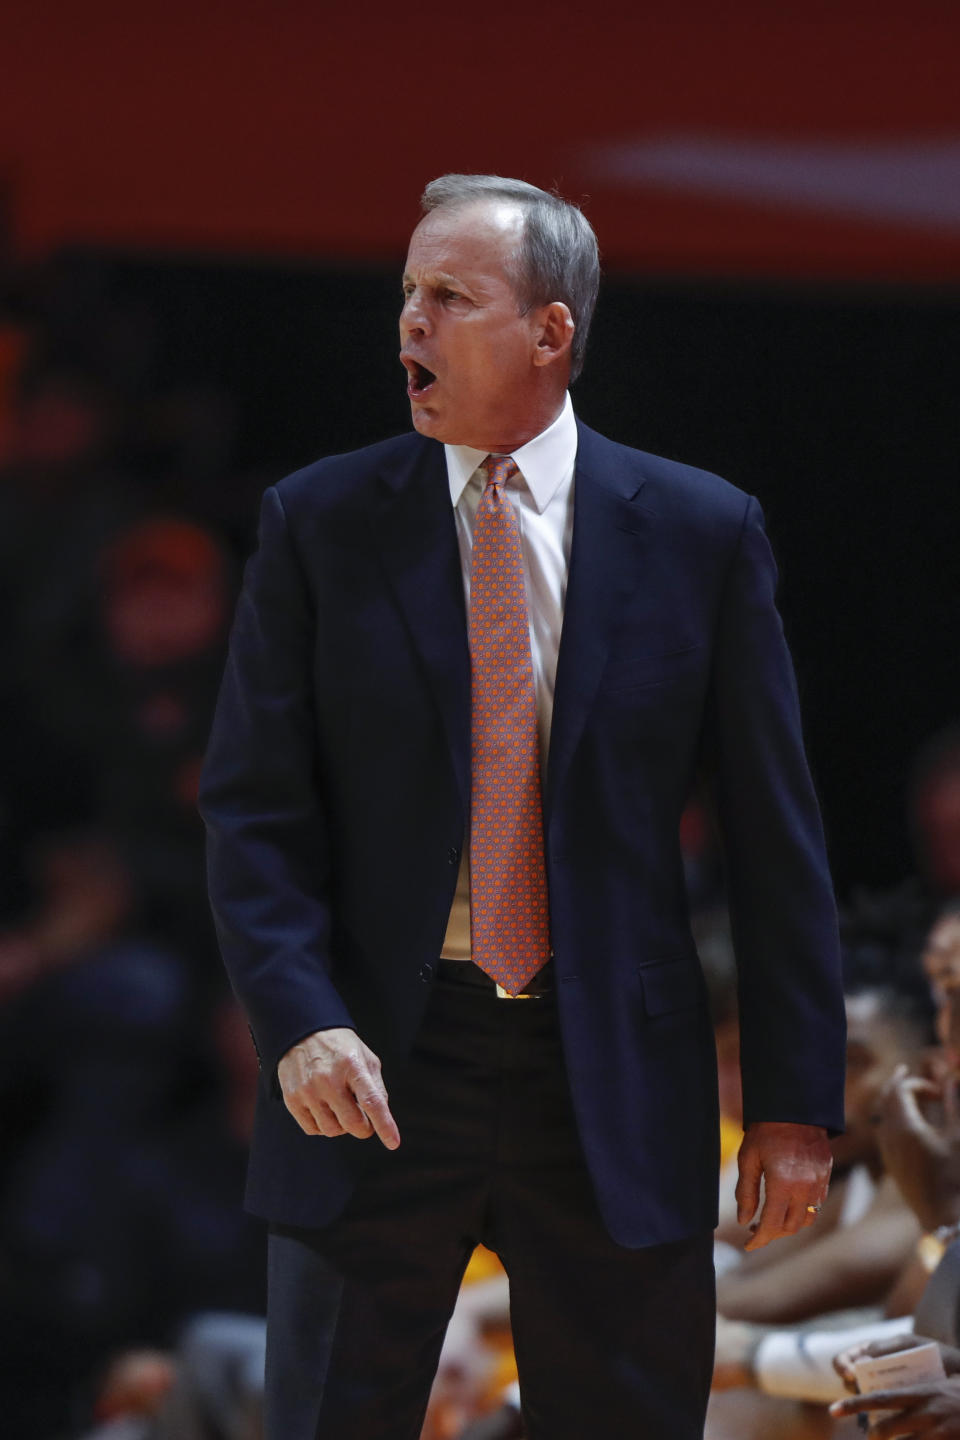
pixel 542 498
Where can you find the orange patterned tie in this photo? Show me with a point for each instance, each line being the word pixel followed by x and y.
pixel 509 919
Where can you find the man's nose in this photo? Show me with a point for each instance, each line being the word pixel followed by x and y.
pixel 414 319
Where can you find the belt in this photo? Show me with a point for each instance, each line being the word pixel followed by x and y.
pixel 464 972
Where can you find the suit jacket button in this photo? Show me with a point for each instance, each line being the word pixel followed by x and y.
pixel 453 855
pixel 426 972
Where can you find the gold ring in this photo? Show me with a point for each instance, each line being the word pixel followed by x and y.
pixel 814 1209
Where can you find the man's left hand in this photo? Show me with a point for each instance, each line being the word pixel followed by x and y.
pixel 795 1163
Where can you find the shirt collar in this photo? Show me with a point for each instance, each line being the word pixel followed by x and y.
pixel 543 462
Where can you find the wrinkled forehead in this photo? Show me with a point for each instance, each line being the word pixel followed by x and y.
pixel 478 236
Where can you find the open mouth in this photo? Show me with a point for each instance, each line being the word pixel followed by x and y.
pixel 420 378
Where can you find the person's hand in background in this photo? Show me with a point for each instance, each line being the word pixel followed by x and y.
pixel 919 1139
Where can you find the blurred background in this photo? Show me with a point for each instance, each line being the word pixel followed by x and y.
pixel 203 218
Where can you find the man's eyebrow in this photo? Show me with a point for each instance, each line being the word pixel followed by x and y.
pixel 439 277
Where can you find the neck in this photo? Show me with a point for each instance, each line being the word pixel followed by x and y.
pixel 522 433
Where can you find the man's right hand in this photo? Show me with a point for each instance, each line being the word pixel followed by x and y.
pixel 332 1086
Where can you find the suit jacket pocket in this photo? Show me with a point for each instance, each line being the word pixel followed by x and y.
pixel 645 671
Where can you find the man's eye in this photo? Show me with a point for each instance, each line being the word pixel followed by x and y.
pixel 451 295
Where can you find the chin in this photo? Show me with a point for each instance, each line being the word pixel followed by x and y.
pixel 424 422
pixel 431 425
pixel 427 422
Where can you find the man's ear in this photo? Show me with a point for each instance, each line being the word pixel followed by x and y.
pixel 554 335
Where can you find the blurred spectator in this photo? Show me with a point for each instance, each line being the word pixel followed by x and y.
pixel 477 1362
pixel 931 1408
pixel 112 627
pixel 918 1126
pixel 504 1423
pixel 941 962
pixel 122 1243
pixel 887 931
pixel 804 1364
pixel 60 500
pixel 104 959
pixel 193 1248
pixel 210 1388
pixel 844 1267
pixel 132 1392
pixel 128 714
pixel 165 610
pixel 934 812
pixel 89 1055
pixel 914 1119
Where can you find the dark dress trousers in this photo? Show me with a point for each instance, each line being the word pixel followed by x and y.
pixel 336 794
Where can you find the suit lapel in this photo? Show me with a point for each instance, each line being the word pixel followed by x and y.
pixel 415 531
pixel 611 530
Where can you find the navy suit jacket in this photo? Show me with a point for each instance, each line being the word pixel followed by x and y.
pixel 336 795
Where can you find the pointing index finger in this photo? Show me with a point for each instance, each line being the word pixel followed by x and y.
pixel 372 1100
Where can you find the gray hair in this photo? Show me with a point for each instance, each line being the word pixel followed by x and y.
pixel 558 257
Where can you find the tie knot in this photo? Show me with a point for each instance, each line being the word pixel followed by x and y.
pixel 499 469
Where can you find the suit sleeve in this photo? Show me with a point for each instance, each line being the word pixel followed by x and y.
pixel 792 1046
pixel 268 846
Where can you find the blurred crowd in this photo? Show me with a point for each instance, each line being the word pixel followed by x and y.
pixel 131 1282
pixel 127 1077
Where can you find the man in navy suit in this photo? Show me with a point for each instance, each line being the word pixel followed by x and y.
pixel 412 1105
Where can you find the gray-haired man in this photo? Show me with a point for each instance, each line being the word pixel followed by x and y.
pixel 472 673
